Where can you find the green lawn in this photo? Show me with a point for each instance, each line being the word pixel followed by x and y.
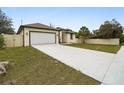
pixel 104 48
pixel 30 66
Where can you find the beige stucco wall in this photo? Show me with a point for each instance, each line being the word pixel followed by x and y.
pixel 77 40
pixel 67 39
pixel 60 36
pixel 73 40
pixel 103 41
pixel 64 38
pixel 26 34
pixel 13 40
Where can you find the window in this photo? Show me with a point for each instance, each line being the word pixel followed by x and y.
pixel 71 36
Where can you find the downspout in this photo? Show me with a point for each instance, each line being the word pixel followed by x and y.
pixel 23 38
pixel 59 36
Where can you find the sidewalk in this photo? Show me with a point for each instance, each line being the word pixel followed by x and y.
pixel 115 74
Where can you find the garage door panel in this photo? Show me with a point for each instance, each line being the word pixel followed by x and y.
pixel 42 38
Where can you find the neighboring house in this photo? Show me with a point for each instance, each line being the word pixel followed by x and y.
pixel 37 33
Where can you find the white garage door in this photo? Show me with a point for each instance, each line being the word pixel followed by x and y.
pixel 42 38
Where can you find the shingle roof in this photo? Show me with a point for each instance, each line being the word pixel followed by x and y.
pixel 65 30
pixel 39 25
pixel 36 25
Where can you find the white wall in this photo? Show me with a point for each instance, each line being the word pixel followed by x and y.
pixel 103 41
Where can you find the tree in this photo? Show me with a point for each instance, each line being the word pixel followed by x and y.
pixel 1 42
pixel 5 24
pixel 96 34
pixel 84 33
pixel 110 29
pixel 122 39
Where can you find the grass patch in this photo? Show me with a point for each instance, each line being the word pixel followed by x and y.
pixel 122 44
pixel 103 48
pixel 30 66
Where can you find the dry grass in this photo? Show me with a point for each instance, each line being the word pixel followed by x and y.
pixel 30 66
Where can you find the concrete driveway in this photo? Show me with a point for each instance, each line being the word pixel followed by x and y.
pixel 92 63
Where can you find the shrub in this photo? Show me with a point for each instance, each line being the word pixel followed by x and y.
pixel 122 39
pixel 1 41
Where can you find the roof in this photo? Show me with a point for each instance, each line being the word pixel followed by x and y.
pixel 36 25
pixel 65 30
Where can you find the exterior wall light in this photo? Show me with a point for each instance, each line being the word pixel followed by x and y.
pixel 26 33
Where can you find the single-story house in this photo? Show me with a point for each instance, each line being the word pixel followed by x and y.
pixel 37 33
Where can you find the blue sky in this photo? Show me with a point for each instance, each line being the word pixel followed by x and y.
pixel 70 17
